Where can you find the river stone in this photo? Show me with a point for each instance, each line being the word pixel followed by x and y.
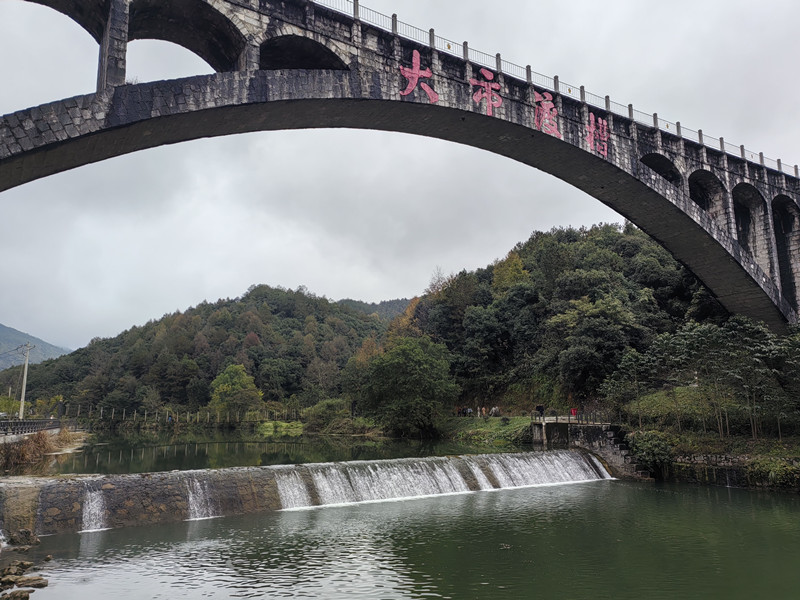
pixel 35 581
pixel 18 595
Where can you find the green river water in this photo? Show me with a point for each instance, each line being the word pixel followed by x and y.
pixel 604 539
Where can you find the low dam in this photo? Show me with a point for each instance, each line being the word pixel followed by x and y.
pixel 70 504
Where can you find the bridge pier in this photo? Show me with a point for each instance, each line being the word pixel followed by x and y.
pixel 114 46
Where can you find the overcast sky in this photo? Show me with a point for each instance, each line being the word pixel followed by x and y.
pixel 94 251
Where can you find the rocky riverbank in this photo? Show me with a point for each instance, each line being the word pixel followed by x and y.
pixel 741 471
pixel 19 578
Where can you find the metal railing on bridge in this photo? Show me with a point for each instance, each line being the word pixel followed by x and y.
pixel 28 426
pixel 526 74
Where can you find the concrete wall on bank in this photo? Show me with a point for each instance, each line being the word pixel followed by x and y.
pixel 607 442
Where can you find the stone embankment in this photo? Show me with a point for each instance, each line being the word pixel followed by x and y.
pixel 58 505
pixel 607 442
pixel 739 471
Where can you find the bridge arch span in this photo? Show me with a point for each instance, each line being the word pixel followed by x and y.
pixel 671 187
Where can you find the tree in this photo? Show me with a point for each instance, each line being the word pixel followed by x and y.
pixel 410 387
pixel 234 391
pixel 507 273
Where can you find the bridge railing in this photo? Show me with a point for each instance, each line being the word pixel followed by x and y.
pixel 26 426
pixel 495 62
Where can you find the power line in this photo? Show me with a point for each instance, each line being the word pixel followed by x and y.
pixel 19 349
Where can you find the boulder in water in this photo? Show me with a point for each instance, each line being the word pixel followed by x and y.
pixel 23 537
pixel 18 595
pixel 35 581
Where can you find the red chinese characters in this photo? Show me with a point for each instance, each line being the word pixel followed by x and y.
pixel 597 135
pixel 487 90
pixel 414 74
pixel 546 116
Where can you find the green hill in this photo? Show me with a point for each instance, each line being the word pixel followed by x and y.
pixel 10 339
pixel 292 343
pixel 547 324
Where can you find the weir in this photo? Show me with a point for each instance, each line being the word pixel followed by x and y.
pixel 83 504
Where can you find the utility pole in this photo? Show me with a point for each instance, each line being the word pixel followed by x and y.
pixel 28 349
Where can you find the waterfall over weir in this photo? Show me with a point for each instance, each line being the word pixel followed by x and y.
pixel 125 500
pixel 93 516
pixel 199 501
pixel 371 481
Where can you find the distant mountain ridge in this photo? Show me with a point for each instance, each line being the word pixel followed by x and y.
pixel 11 339
pixel 386 310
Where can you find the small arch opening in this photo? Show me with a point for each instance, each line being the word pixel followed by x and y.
pixel 156 60
pixel 193 24
pixel 664 167
pixel 297 52
pixel 786 224
pixel 749 209
pixel 89 14
pixel 708 193
pixel 61 64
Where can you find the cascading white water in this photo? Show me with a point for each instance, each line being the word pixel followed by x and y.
pixel 291 489
pixel 477 472
pixel 94 509
pixel 541 468
pixel 357 481
pixel 199 500
pixel 368 481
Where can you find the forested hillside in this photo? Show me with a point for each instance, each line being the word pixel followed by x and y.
pixel 291 343
pixel 550 321
pixel 10 339
pixel 589 318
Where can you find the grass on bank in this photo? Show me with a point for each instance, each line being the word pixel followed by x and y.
pixel 33 448
pixel 495 431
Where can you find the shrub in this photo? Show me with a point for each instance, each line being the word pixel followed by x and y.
pixel 651 449
pixel 775 472
pixel 324 413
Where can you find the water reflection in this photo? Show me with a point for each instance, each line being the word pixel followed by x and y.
pixel 144 454
pixel 577 541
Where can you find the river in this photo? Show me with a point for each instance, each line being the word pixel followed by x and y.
pixel 601 539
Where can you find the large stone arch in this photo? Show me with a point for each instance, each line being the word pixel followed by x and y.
pixel 192 24
pixel 708 192
pixel 752 228
pixel 664 167
pixel 786 223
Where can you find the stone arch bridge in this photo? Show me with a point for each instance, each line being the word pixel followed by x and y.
pixel 732 217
